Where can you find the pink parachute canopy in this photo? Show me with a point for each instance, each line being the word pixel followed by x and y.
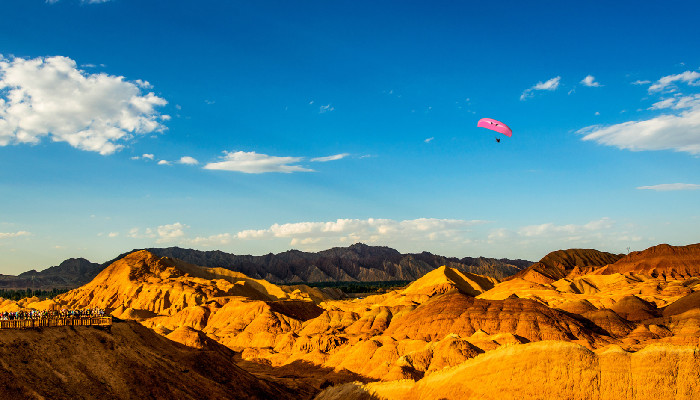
pixel 494 125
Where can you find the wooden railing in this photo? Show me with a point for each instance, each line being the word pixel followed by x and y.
pixel 55 321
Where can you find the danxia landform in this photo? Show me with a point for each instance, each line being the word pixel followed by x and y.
pixel 578 324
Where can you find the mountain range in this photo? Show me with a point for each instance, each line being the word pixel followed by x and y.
pixel 358 262
pixel 69 274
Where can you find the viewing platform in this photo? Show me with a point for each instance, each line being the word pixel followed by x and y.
pixel 55 321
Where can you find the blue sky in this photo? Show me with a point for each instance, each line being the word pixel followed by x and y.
pixel 256 127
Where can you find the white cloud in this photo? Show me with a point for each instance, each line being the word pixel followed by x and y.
pixel 500 234
pixel 252 234
pixel 667 82
pixel 641 82
pixel 326 108
pixel 136 233
pixel 188 160
pixel 590 81
pixel 679 132
pixel 163 162
pixel 371 230
pixel 51 97
pixel 549 85
pixel 430 139
pixel 453 237
pixel 667 103
pixel 677 103
pixel 143 84
pixel 7 235
pixel 144 156
pixel 330 158
pixel 678 129
pixel 687 102
pixel 172 232
pixel 254 163
pixel 550 236
pixel 304 242
pixel 113 234
pixel 213 240
pixel 163 234
pixel 664 187
pixel 450 237
pixel 550 229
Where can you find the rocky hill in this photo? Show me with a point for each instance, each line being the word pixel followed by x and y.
pixel 561 263
pixel 358 262
pixel 662 260
pixel 145 284
pixel 124 361
pixel 69 274
pixel 549 370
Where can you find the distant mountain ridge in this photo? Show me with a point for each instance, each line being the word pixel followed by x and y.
pixel 358 262
pixel 69 274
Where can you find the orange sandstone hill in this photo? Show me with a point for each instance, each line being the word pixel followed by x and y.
pixel 550 370
pixel 124 361
pixel 562 263
pixel 153 285
pixel 433 323
pixel 662 260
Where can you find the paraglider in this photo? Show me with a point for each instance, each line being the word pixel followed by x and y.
pixel 494 125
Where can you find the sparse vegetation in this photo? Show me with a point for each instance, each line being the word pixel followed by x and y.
pixel 15 295
pixel 361 287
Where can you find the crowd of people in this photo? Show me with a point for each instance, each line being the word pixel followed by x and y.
pixel 64 313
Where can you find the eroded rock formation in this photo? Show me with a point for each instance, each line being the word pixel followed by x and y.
pixel 435 338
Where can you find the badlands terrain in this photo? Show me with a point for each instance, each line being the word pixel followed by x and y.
pixel 578 324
